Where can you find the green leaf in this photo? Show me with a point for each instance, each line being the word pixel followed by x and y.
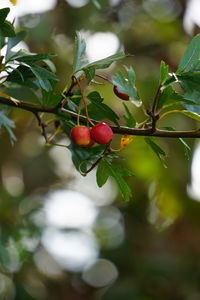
pixel 169 96
pixel 160 153
pixel 191 57
pixel 79 52
pixel 102 174
pixel 21 93
pixel 126 84
pixel 117 173
pixel 190 84
pixel 3 14
pixel 13 41
pixel 50 98
pixel 101 64
pixel 102 110
pixel 44 77
pixel 83 158
pixel 8 125
pixel 164 70
pixel 32 58
pixel 129 118
pixel 22 75
pixel 7 29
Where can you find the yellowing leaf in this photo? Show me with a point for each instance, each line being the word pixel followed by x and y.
pixel 14 2
pixel 126 140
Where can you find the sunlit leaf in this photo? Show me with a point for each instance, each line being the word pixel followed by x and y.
pixel 164 70
pixel 126 140
pixel 79 52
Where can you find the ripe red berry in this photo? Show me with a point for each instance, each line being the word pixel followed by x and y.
pixel 102 133
pixel 80 135
pixel 119 94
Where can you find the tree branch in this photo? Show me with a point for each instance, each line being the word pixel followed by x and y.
pixel 35 108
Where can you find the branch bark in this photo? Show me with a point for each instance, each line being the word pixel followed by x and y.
pixel 35 108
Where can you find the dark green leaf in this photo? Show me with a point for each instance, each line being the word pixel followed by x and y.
pixel 129 118
pixel 7 29
pixel 44 77
pixel 164 70
pixel 117 173
pixel 190 84
pixel 169 96
pixel 8 125
pixel 102 173
pixel 13 41
pixel 32 58
pixel 83 158
pixel 21 93
pixel 191 57
pixel 103 110
pixel 160 153
pixel 126 84
pixel 3 14
pixel 50 98
pixel 23 75
pixel 79 52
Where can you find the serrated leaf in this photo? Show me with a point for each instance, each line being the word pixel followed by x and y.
pixel 44 77
pixel 160 153
pixel 129 118
pixel 8 125
pixel 83 158
pixel 169 96
pixel 79 52
pixel 7 29
pixel 117 173
pixel 103 110
pixel 101 64
pixel 191 57
pixel 3 15
pixel 190 84
pixel 22 75
pixel 164 70
pixel 102 174
pixel 126 85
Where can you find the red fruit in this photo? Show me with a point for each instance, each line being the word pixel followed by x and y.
pixel 119 94
pixel 102 133
pixel 80 135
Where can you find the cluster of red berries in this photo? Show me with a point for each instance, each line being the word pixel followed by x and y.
pixel 86 137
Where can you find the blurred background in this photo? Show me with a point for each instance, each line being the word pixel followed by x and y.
pixel 61 237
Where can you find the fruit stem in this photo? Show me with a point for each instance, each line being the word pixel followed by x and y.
pixel 85 105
